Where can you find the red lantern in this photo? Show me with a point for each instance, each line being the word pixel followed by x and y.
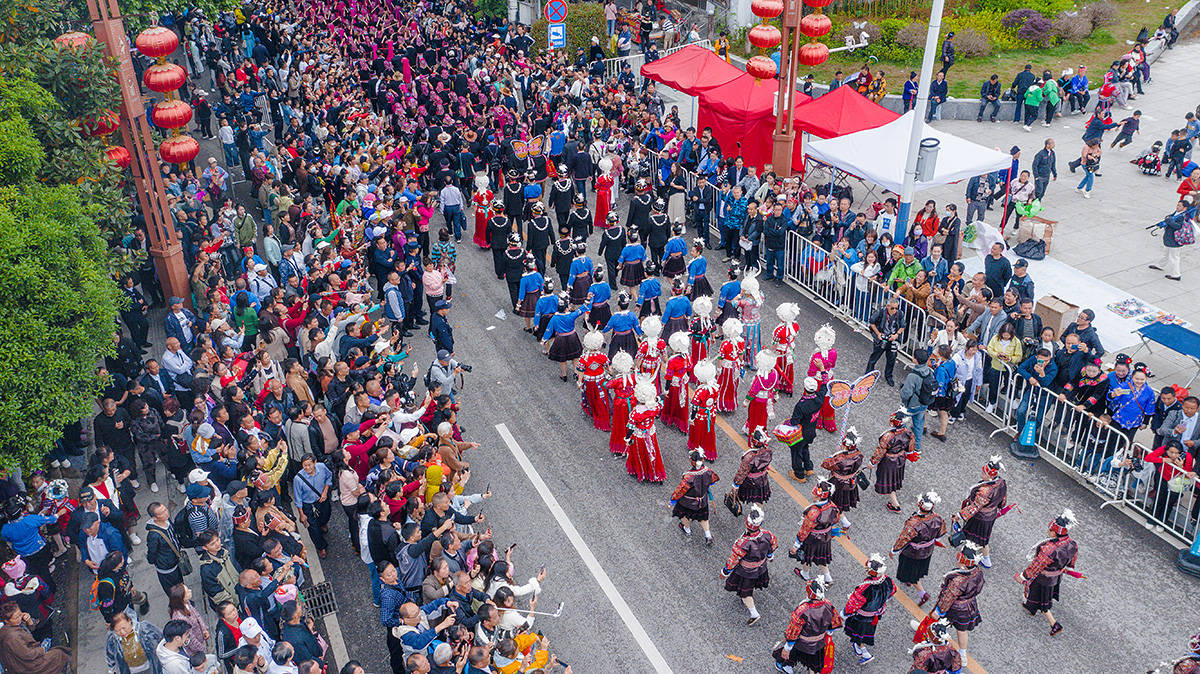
pixel 761 67
pixel 107 122
pixel 164 77
pixel 817 4
pixel 119 155
pixel 814 54
pixel 171 114
pixel 765 36
pixel 767 9
pixel 179 150
pixel 157 42
pixel 815 25
pixel 73 40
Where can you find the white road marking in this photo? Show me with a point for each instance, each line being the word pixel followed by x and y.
pixel 614 597
pixel 333 627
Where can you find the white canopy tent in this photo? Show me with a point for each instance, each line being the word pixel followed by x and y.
pixel 878 155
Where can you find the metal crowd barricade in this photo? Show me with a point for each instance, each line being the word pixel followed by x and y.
pixel 1138 488
pixel 612 66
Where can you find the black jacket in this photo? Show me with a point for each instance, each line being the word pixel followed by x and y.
pixel 441 332
pixel 1044 164
pixel 612 242
pixel 161 545
pixel 989 88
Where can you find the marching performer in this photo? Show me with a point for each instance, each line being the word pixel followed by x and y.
pixel 544 309
pixel 844 467
pixel 921 532
pixel 1048 561
pixel 581 274
pixel 689 501
pixel 622 386
pixel 1189 664
pixel 807 639
pixel 750 483
pixel 814 541
pixel 539 235
pixel 632 261
pixel 981 508
pixel 624 328
pixel 957 600
pixel 702 415
pixel 749 305
pixel 561 193
pixel 866 605
pixel 498 229
pixel 650 352
pixel 784 338
pixel 760 399
pixel 676 374
pixel 727 297
pixel 677 311
pixel 673 262
pixel 746 569
pixel 804 419
pixel 820 365
pixel 936 654
pixel 560 333
pixel 896 447
pixel 599 312
pixel 648 292
pixel 604 185
pixel 591 377
pixel 483 199
pixel 701 327
pixel 612 244
pixel 697 270
pixel 643 459
pixel 528 293
pixel 730 356
pixel 515 258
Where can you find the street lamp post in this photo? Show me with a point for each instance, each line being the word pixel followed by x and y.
pixel 920 106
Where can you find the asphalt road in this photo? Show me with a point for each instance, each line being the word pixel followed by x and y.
pixel 1125 617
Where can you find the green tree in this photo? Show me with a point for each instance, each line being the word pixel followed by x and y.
pixel 584 20
pixel 58 304
pixel 495 9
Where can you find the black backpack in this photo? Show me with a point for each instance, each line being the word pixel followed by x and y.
pixel 929 388
pixel 183 529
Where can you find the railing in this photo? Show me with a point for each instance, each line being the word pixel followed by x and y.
pixel 1095 452
pixel 612 66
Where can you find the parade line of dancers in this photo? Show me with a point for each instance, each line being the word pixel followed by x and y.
pixel 663 361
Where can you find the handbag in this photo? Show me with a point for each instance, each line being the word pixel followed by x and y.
pixel 185 562
pixel 733 504
pixel 956 536
pixel 862 480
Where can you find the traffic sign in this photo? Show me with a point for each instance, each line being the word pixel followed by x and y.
pixel 557 35
pixel 556 11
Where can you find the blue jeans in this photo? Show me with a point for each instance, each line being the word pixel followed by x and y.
pixel 612 26
pixel 774 260
pixel 456 221
pixel 231 154
pixel 1089 179
pixel 917 414
pixel 376 584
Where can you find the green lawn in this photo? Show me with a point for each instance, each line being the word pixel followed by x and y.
pixel 1097 52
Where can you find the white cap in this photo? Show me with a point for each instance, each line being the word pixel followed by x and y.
pixel 250 628
pixel 260 267
pixel 197 475
pixel 206 431
pixel 408 434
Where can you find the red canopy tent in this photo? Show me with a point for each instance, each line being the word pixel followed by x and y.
pixel 840 112
pixel 743 111
pixel 691 70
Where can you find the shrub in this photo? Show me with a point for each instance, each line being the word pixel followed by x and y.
pixel 1070 27
pixel 912 36
pixel 491 8
pixel 1016 19
pixel 989 25
pixel 1100 14
pixel 1036 31
pixel 970 43
pixel 21 155
pixel 583 21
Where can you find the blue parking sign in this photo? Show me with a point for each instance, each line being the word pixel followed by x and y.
pixel 557 35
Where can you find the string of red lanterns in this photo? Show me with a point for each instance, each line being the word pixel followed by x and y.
pixel 159 42
pixel 764 36
pixel 814 53
pixel 108 121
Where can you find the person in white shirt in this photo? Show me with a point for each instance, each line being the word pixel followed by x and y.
pixel 169 651
pixel 968 365
pixel 262 283
pixel 253 635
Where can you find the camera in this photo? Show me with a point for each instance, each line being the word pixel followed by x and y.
pixel 465 367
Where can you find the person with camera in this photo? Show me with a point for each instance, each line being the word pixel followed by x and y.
pixel 442 371
pixel 887 327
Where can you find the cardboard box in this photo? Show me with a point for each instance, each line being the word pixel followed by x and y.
pixel 1056 313
pixel 1036 229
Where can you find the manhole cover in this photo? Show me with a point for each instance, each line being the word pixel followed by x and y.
pixel 319 600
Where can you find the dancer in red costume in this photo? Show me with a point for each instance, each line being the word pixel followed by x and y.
pixel 701 327
pixel 820 367
pixel 730 357
pixel 644 460
pixel 621 385
pixel 591 380
pixel 785 343
pixel 761 396
pixel 677 374
pixel 702 417
pixel 483 210
pixel 648 360
pixel 604 185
